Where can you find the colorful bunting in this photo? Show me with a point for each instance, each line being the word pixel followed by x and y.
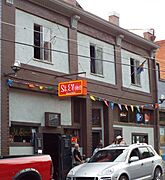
pixel 126 107
pixel 10 82
pixel 41 87
pixel 111 104
pixel 106 103
pixel 120 107
pixel 138 108
pixel 31 85
pixel 92 98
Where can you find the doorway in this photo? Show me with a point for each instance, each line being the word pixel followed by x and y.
pixel 59 148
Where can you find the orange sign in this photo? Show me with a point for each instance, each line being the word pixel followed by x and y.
pixel 72 88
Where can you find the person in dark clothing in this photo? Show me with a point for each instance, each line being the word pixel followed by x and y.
pixel 77 155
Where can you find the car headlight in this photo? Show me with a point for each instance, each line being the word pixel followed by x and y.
pixel 71 172
pixel 107 171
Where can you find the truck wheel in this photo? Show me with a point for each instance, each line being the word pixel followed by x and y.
pixel 29 175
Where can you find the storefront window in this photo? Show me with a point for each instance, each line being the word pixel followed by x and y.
pixel 139 138
pixel 22 134
pixel 162 135
pixel 162 116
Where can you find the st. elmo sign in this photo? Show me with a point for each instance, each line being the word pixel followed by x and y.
pixel 72 88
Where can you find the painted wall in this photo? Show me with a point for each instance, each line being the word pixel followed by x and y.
pixel 31 107
pixel 25 34
pixel 126 72
pixel 21 150
pixel 128 130
pixel 84 58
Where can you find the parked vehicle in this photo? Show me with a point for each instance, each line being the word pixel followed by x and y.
pixel 117 162
pixel 26 167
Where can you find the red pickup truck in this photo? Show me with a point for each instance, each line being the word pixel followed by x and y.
pixel 26 167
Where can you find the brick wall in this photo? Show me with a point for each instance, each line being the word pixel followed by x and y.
pixel 160 57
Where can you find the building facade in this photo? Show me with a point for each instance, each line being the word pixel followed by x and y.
pixel 161 93
pixel 57 41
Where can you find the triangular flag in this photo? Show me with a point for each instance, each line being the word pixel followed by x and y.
pixel 142 106
pixel 106 103
pixel 92 97
pixel 41 87
pixel 131 107
pixel 126 107
pixel 111 104
pixel 120 106
pixel 138 108
pixel 31 85
pixel 10 82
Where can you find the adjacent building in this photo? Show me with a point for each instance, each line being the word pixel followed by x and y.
pixel 58 42
pixel 161 92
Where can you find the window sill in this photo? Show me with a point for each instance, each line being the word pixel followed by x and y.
pixel 14 144
pixel 98 75
pixel 43 61
pixel 136 85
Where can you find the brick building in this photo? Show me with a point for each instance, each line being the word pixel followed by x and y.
pixel 57 41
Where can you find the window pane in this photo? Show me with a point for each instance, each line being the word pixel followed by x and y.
pixel 37 41
pixel 92 58
pixel 137 75
pixel 21 134
pixel 132 71
pixel 47 51
pixel 99 61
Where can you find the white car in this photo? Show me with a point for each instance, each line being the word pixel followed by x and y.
pixel 116 162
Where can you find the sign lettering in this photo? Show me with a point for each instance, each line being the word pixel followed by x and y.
pixel 72 88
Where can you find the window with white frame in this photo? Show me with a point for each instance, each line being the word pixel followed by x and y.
pixel 42 44
pixel 135 76
pixel 96 57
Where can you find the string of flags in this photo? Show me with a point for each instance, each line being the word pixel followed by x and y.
pixel 10 83
pixel 112 104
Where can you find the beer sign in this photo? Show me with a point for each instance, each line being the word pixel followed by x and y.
pixel 72 88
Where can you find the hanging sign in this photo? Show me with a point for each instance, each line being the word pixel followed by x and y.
pixel 72 88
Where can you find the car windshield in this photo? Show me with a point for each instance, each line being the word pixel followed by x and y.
pixel 109 155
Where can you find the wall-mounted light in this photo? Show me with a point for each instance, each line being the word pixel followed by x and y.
pixel 15 67
pixel 119 39
pixel 162 99
pixel 74 21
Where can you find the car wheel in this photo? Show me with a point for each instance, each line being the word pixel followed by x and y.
pixel 123 177
pixel 157 174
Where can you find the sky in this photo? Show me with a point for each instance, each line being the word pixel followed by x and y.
pixel 139 15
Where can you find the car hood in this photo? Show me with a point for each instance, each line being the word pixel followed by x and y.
pixel 90 169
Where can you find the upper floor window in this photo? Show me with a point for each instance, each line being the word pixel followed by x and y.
pixel 135 76
pixel 96 57
pixel 42 44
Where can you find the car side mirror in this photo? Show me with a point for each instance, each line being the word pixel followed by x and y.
pixel 133 159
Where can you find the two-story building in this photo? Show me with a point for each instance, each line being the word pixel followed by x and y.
pixel 55 42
